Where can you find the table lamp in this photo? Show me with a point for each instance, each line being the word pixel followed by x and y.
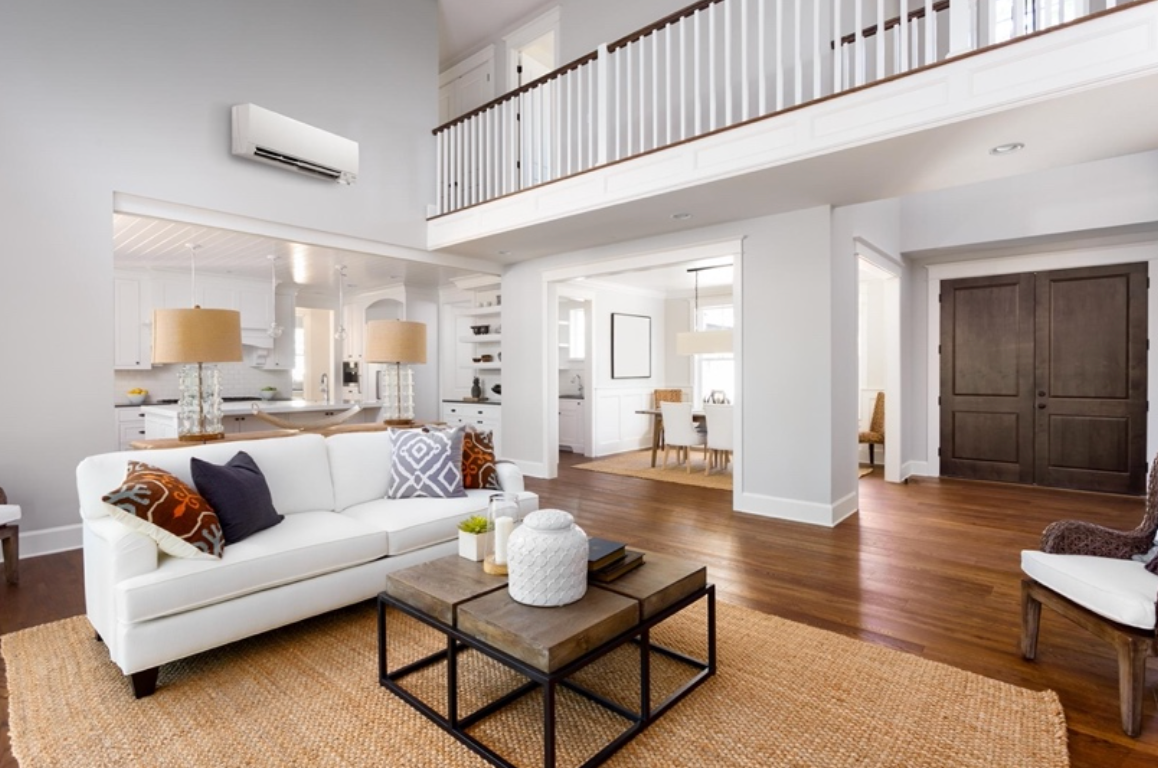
pixel 400 342
pixel 198 336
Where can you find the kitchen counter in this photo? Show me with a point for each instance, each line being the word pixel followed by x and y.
pixel 474 402
pixel 267 406
pixel 571 397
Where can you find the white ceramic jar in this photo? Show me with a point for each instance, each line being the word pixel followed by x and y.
pixel 547 559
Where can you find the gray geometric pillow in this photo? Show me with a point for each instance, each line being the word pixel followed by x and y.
pixel 426 464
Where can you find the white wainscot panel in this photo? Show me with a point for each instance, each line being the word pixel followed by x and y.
pixel 857 112
pixel 618 427
pixel 755 144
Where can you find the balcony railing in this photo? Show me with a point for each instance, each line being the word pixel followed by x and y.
pixel 711 66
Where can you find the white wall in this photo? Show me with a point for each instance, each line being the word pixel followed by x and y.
pixel 133 96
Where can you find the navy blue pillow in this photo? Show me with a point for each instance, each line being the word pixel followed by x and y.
pixel 238 494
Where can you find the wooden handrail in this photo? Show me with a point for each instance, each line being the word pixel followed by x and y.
pixel 655 26
pixel 940 5
pixel 520 90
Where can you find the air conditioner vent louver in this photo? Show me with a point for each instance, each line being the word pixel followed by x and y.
pixel 298 164
pixel 268 137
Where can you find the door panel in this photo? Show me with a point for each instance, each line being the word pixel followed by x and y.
pixel 987 378
pixel 1091 374
pixel 1043 378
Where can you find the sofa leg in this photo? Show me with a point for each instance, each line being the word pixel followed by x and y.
pixel 145 682
pixel 1030 621
pixel 1132 653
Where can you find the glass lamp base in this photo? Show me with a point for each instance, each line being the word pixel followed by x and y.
pixel 398 395
pixel 199 417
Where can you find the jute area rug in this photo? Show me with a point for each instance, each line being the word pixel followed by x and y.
pixel 307 695
pixel 638 464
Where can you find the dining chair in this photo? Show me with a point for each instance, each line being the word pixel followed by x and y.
pixel 876 431
pixel 718 449
pixel 679 431
pixel 664 396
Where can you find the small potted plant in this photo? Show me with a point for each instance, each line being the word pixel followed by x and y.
pixel 267 393
pixel 474 535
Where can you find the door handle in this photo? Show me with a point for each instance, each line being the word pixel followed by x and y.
pixel 1041 406
pixel 1041 393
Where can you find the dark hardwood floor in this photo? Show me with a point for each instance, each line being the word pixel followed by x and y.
pixel 929 568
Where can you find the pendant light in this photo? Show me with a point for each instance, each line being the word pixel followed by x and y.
pixel 695 341
pixel 341 333
pixel 275 328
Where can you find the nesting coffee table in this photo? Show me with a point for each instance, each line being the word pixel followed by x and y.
pixel 547 646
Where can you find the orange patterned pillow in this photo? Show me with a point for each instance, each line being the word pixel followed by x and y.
pixel 478 460
pixel 155 503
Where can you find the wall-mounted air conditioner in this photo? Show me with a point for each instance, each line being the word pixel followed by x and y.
pixel 268 137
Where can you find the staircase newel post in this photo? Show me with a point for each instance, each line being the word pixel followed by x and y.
pixel 602 103
pixel 962 27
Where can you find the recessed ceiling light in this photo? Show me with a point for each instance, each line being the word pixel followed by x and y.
pixel 1006 149
pixel 504 253
pixel 681 216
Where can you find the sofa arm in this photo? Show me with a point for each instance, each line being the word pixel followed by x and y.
pixel 1076 537
pixel 510 476
pixel 112 553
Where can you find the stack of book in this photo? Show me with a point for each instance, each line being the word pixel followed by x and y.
pixel 608 560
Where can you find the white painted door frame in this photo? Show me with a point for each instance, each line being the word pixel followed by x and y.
pixel 892 265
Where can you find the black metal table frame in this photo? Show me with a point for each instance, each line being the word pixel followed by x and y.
pixel 458 641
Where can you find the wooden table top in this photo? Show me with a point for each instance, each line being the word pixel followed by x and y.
pixel 459 593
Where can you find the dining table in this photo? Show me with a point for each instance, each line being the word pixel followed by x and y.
pixel 657 426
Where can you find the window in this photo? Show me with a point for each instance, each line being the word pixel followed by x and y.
pixel 716 371
pixel 577 334
pixel 1036 15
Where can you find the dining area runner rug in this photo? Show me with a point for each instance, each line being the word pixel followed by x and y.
pixel 638 464
pixel 307 695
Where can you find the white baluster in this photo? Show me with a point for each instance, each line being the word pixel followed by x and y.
pixel 779 55
pixel 858 42
pixel 642 107
pixel 903 38
pixel 696 73
pixel 654 88
pixel 837 49
pixel 727 62
pixel 816 94
pixel 761 58
pixel 745 100
pixel 713 112
pixel 629 101
pixel 682 115
pixel 962 35
pixel 667 78
pixel 797 50
pixel 931 32
pixel 880 41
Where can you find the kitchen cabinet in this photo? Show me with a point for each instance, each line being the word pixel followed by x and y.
pixel 482 416
pixel 130 426
pixel 279 357
pixel 572 424
pixel 132 322
pixel 354 320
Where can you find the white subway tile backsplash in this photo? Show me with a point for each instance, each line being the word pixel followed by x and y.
pixel 237 380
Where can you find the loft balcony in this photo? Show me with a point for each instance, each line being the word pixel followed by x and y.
pixel 742 108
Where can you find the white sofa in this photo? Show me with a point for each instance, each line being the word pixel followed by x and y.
pixel 339 539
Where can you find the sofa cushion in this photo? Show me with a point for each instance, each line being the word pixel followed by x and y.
pixel 239 494
pixel 305 544
pixel 415 523
pixel 153 502
pixel 359 466
pixel 426 464
pixel 1120 590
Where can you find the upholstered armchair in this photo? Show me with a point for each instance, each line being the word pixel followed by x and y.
pixel 10 538
pixel 876 431
pixel 1088 573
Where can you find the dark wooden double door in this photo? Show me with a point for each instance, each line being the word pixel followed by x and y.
pixel 1043 378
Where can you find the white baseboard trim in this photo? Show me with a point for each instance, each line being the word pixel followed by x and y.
pixel 916 468
pixel 828 515
pixel 620 446
pixel 49 541
pixel 531 468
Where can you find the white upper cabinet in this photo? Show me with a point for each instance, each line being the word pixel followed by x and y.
pixel 132 313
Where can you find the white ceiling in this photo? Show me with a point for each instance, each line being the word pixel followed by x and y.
pixel 142 243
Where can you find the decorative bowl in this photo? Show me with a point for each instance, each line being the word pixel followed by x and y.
pixel 476 359
pixel 267 394
pixel 136 399
pixel 479 330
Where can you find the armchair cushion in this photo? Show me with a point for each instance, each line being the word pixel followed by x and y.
pixel 239 493
pixel 1119 590
pixel 153 502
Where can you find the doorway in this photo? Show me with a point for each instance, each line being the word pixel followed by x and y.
pixel 1044 378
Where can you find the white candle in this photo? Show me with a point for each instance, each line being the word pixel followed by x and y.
pixel 503 527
